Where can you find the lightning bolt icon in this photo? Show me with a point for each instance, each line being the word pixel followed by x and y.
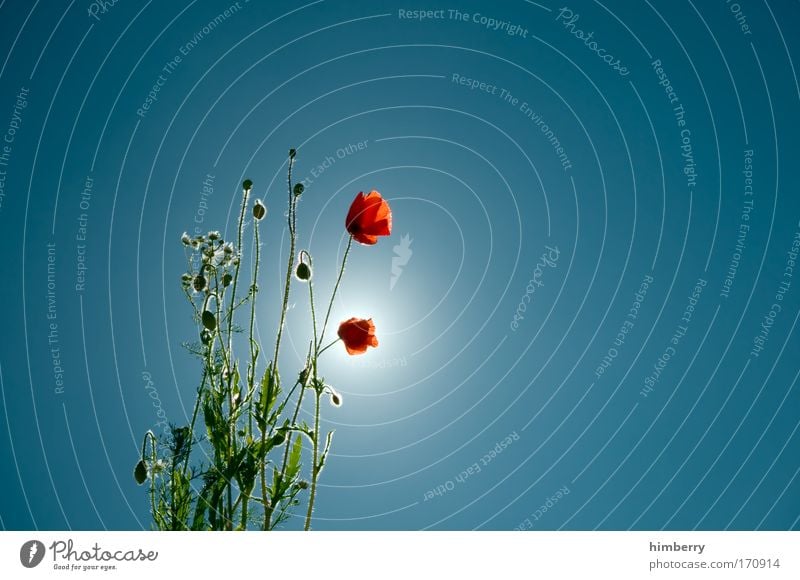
pixel 34 549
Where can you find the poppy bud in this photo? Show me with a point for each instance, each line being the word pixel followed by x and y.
pixel 186 239
pixel 299 188
pixel 199 283
pixel 303 376
pixel 209 320
pixel 303 271
pixel 302 484
pixel 140 472
pixel 259 210
pixel 226 280
pixel 292 153
pixel 247 185
pixel 336 399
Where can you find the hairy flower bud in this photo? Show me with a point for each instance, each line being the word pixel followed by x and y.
pixel 209 320
pixel 292 153
pixel 199 283
pixel 259 210
pixel 303 271
pixel 247 185
pixel 226 280
pixel 213 236
pixel 336 399
pixel 140 472
pixel 299 188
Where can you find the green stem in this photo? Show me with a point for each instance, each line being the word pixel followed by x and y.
pixel 194 420
pixel 284 307
pixel 253 354
pixel 329 345
pixel 294 422
pixel 314 466
pixel 335 288
pixel 238 248
pixel 153 459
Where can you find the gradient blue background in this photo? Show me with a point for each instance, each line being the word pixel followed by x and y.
pixel 479 189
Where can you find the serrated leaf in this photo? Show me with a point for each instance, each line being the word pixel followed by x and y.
pixel 270 388
pixel 324 454
pixel 293 466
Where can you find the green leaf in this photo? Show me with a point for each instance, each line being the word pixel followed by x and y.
pixel 276 483
pixel 270 388
pixel 325 451
pixel 293 466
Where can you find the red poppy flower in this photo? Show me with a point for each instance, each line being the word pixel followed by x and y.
pixel 357 334
pixel 369 217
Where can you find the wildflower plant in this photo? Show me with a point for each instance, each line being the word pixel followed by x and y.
pixel 239 463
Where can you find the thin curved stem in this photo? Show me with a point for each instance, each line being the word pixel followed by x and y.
pixel 329 345
pixel 335 289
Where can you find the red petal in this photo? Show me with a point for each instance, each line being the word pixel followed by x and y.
pixel 366 239
pixel 356 209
